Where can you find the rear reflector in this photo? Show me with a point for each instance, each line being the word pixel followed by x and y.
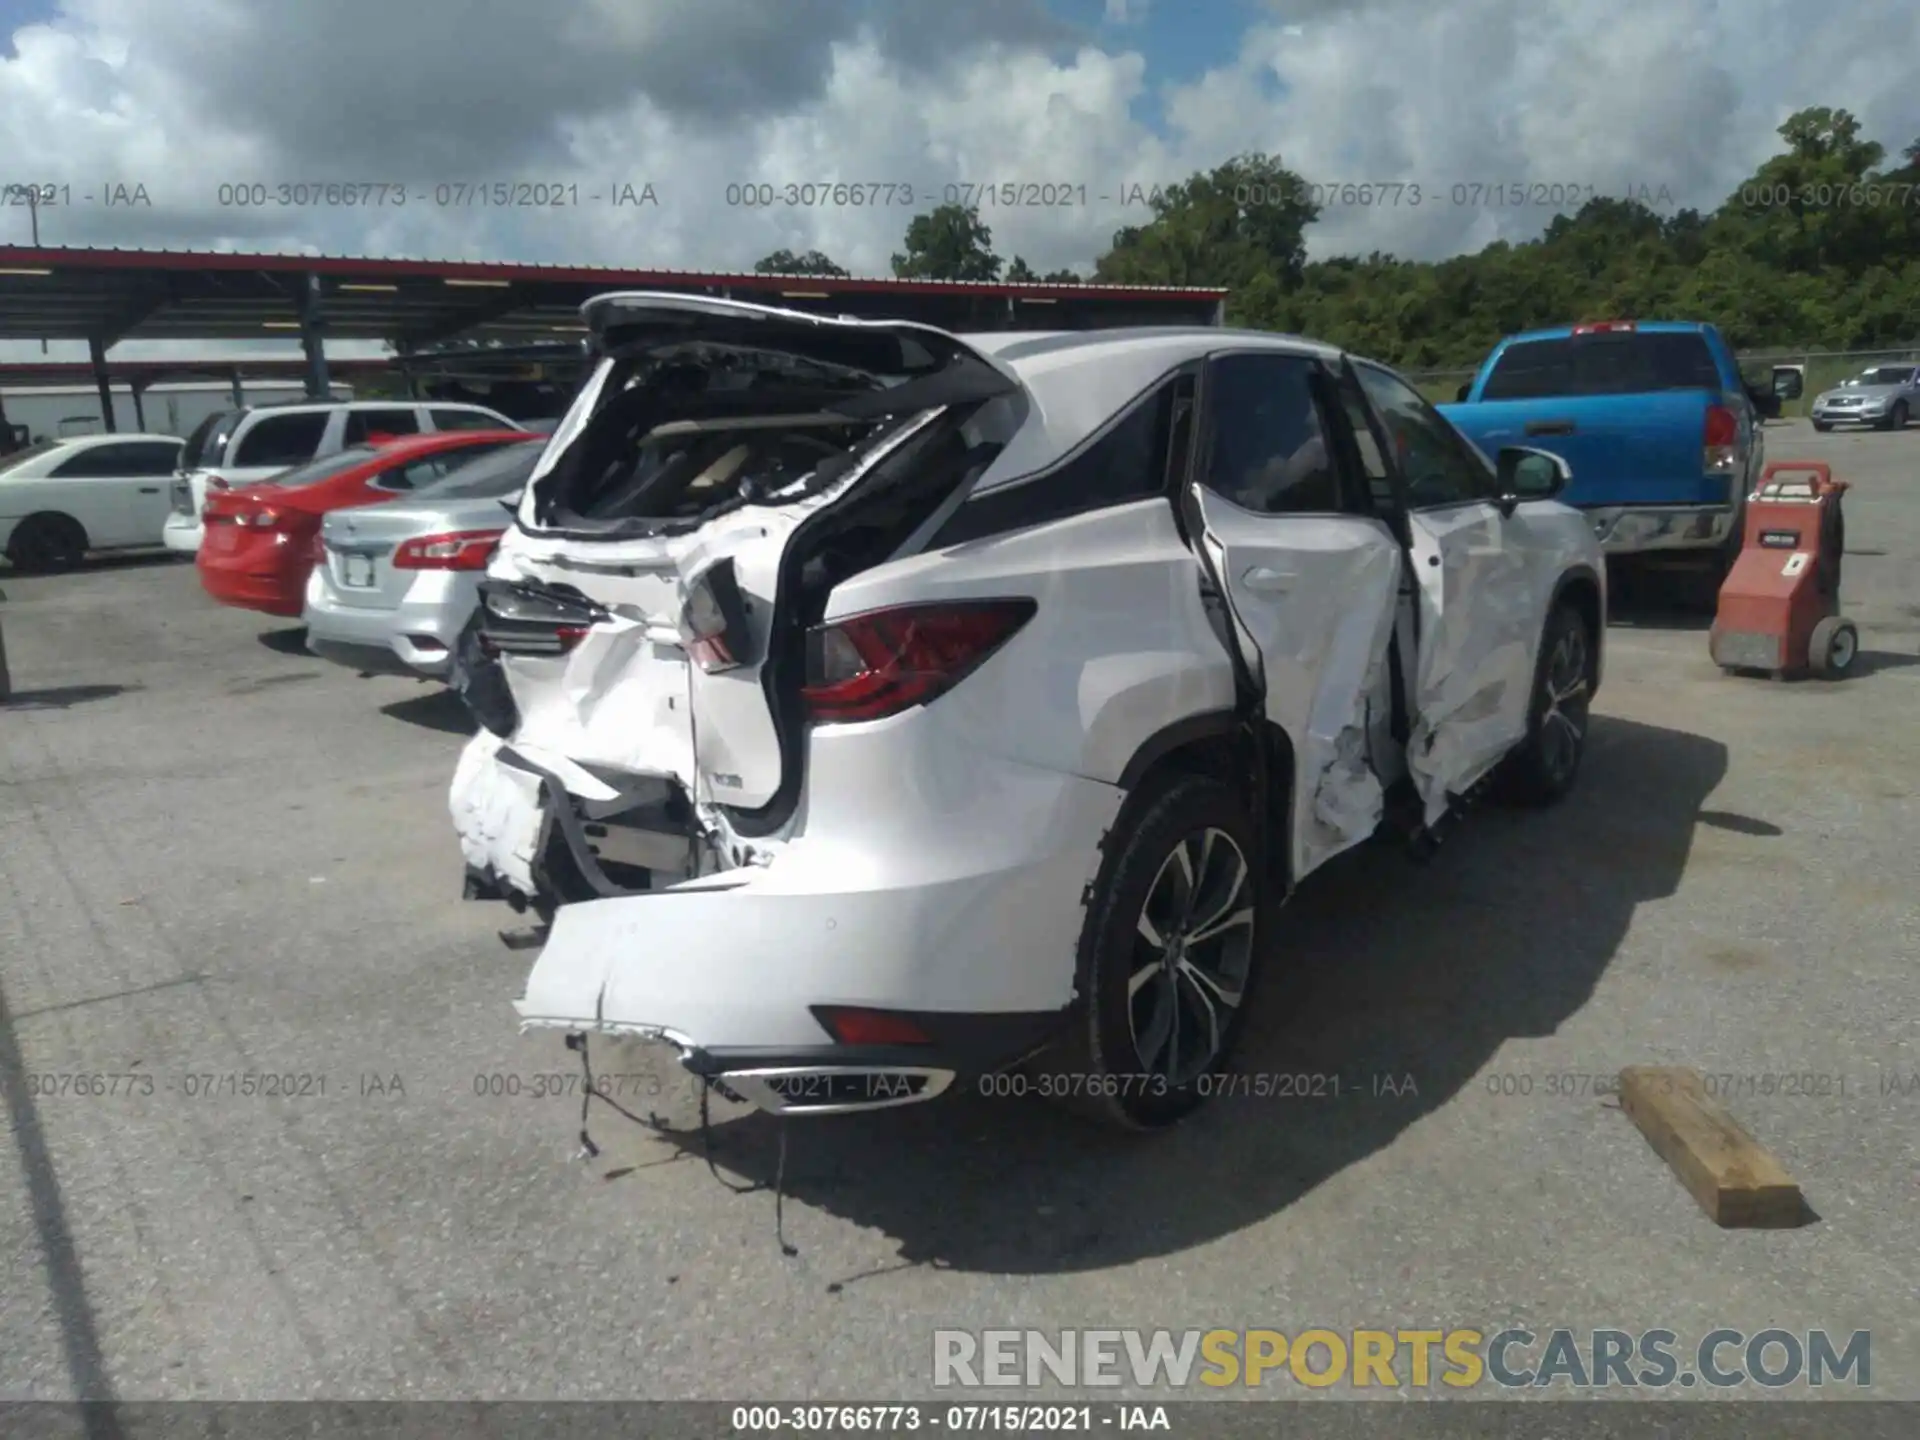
pixel 870 666
pixel 852 1026
pixel 456 550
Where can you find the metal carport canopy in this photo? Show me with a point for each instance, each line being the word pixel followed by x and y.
pixel 109 295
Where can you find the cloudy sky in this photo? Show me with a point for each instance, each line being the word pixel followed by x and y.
pixel 1674 100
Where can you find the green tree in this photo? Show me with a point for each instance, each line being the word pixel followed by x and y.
pixel 1226 226
pixel 1021 273
pixel 785 262
pixel 949 242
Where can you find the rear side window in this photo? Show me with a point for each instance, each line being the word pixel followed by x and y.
pixel 207 445
pixel 1268 450
pixel 448 419
pixel 1630 363
pixel 431 469
pixel 282 440
pixel 130 458
pixel 363 425
pixel 1130 462
pixel 495 475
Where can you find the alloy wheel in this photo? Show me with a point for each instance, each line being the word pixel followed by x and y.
pixel 1564 724
pixel 1193 952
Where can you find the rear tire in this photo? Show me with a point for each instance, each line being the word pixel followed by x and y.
pixel 43 543
pixel 1897 417
pixel 1833 646
pixel 1543 768
pixel 1172 939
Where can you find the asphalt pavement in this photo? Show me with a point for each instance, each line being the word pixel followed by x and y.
pixel 274 1134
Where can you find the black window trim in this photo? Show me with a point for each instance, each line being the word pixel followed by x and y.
pixel 1390 455
pixel 1024 488
pixel 1355 494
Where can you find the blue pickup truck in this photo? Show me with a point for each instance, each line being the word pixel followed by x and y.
pixel 1662 432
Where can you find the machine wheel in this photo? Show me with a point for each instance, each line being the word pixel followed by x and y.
pixel 1542 769
pixel 1833 647
pixel 1167 954
pixel 47 542
pixel 1897 417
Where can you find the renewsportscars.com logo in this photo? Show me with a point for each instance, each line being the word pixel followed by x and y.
pixel 1511 1358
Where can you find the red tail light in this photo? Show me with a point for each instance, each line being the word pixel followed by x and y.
pixel 870 666
pixel 456 550
pixel 850 1026
pixel 319 550
pixel 1605 327
pixel 1720 439
pixel 260 517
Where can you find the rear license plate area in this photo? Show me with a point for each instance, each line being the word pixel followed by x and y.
pixel 356 571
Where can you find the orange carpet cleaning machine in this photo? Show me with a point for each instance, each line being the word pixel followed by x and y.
pixel 1779 609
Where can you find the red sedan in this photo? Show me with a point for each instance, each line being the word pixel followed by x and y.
pixel 260 539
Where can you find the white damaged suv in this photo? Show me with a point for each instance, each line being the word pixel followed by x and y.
pixel 867 706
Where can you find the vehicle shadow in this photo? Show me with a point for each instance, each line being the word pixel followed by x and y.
pixel 290 641
pixel 1872 662
pixel 1503 935
pixel 63 696
pixel 438 709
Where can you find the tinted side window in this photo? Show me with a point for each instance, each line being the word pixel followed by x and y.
pixel 207 445
pixel 1129 462
pixel 1269 450
pixel 429 469
pixel 462 420
pixel 363 424
pixel 86 464
pixel 151 457
pixel 1435 462
pixel 283 440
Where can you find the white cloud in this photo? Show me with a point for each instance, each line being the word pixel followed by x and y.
pixel 694 95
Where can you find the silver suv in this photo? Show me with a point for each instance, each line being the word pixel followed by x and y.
pixel 239 447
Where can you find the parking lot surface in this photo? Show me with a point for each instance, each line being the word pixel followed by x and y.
pixel 324 1165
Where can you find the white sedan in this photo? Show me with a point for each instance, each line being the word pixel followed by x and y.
pixel 60 499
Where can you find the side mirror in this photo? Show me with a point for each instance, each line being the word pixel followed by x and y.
pixel 1765 402
pixel 1529 474
pixel 1460 395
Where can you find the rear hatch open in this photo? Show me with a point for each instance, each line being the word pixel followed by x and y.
pixel 722 468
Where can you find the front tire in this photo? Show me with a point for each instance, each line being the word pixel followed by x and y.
pixel 1167 955
pixel 1897 417
pixel 1544 767
pixel 1823 426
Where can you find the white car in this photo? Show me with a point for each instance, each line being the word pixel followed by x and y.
pixel 940 699
pixel 239 447
pixel 62 498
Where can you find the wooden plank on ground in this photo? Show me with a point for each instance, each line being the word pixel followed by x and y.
pixel 1734 1177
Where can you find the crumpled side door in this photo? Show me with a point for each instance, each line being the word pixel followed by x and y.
pixel 1312 584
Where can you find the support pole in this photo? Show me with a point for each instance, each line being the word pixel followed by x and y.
pixel 97 354
pixel 139 406
pixel 311 342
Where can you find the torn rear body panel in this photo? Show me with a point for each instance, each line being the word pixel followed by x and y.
pixel 820 673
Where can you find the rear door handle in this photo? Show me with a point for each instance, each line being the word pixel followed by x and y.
pixel 149 489
pixel 1551 427
pixel 1262 577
